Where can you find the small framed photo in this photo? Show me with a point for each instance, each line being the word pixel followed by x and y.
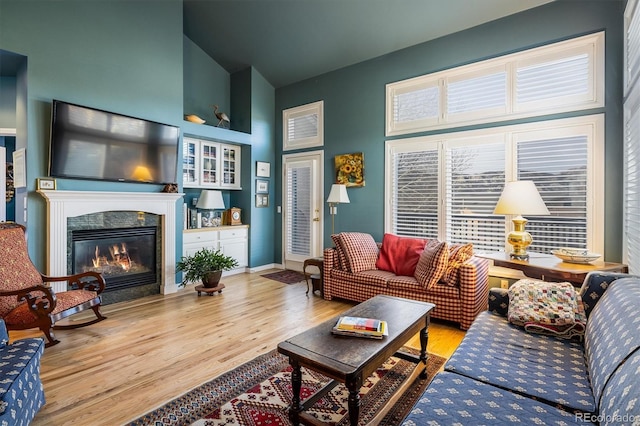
pixel 262 200
pixel 263 169
pixel 46 183
pixel 262 186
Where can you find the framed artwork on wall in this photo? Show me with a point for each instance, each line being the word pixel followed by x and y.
pixel 262 186
pixel 263 169
pixel 262 200
pixel 46 183
pixel 350 169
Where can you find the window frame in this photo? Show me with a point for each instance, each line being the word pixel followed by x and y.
pixel 592 125
pixel 316 108
pixel 592 44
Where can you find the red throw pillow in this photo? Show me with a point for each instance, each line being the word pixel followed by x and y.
pixel 400 255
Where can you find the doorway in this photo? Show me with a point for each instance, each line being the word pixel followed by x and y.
pixel 302 218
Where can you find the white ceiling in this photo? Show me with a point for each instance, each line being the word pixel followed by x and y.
pixel 292 40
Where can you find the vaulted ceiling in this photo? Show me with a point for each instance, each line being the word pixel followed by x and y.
pixel 293 40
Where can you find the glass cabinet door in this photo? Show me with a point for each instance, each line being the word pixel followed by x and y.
pixel 209 153
pixel 190 162
pixel 230 166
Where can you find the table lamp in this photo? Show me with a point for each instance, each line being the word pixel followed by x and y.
pixel 337 195
pixel 518 198
pixel 211 200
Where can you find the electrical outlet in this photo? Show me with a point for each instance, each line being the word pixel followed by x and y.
pixel 504 283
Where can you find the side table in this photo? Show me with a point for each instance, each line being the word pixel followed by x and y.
pixel 548 267
pixel 317 282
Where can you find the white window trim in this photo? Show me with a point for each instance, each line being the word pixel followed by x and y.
pixel 593 44
pixel 308 109
pixel 593 126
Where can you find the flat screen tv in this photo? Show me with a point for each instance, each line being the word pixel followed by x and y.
pixel 88 143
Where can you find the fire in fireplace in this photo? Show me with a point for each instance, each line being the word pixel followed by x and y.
pixel 126 257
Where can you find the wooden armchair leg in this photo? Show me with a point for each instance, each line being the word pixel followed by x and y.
pixel 51 338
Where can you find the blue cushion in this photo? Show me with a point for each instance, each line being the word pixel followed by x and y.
pixel 620 401
pixel 594 286
pixel 21 392
pixel 539 366
pixel 452 399
pixel 613 331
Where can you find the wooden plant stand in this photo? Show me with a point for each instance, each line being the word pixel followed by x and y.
pixel 209 290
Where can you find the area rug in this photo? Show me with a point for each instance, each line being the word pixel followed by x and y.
pixel 259 392
pixel 286 276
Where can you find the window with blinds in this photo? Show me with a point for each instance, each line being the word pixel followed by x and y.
pixel 560 77
pixel 299 210
pixel 631 217
pixel 447 186
pixel 303 126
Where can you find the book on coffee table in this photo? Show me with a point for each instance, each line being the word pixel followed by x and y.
pixel 361 327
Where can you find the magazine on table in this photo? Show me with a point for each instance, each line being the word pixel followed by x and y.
pixel 361 327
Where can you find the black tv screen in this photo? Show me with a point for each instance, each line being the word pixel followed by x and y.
pixel 88 143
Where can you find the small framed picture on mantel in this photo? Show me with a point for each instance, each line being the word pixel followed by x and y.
pixel 46 183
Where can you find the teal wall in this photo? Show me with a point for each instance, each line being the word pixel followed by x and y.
pixel 118 56
pixel 7 102
pixel 205 84
pixel 262 233
pixel 354 102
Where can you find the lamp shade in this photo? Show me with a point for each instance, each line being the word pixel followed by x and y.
pixel 142 173
pixel 338 194
pixel 210 200
pixel 521 198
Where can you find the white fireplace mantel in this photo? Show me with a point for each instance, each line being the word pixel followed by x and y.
pixel 62 205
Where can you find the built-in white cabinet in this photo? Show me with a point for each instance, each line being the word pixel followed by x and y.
pixel 209 164
pixel 231 240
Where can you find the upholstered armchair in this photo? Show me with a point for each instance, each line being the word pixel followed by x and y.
pixel 26 299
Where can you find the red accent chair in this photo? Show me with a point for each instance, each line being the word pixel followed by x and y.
pixel 26 298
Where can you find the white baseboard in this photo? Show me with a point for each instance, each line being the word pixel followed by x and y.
pixel 265 267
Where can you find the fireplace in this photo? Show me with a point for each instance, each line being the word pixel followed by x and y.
pixel 65 205
pixel 126 257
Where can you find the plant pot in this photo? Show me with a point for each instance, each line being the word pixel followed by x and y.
pixel 211 279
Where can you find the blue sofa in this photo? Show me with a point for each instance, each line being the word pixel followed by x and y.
pixel 501 374
pixel 21 392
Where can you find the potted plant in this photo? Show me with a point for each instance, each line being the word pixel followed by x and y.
pixel 205 265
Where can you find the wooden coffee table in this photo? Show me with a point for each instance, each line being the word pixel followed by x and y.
pixel 350 360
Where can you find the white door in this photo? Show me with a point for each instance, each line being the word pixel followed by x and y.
pixel 302 213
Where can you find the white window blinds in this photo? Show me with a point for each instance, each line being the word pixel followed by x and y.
pixel 558 167
pixel 303 126
pixel 447 186
pixel 560 77
pixel 476 176
pixel 415 198
pixel 631 217
pixel 298 212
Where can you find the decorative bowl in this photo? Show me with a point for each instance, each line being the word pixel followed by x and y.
pixel 572 255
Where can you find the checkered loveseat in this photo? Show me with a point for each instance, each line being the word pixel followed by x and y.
pixel 501 374
pixel 21 392
pixel 449 276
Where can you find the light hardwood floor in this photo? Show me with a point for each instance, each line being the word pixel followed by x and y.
pixel 154 349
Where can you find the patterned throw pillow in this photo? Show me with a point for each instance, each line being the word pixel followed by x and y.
pixel 342 259
pixel 458 254
pixel 360 251
pixel 400 255
pixel 432 263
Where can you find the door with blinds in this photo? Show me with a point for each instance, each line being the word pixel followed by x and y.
pixel 302 208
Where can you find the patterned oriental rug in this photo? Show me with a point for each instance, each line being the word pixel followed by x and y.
pixel 259 392
pixel 287 276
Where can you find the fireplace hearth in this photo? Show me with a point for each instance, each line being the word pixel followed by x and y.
pixel 126 257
